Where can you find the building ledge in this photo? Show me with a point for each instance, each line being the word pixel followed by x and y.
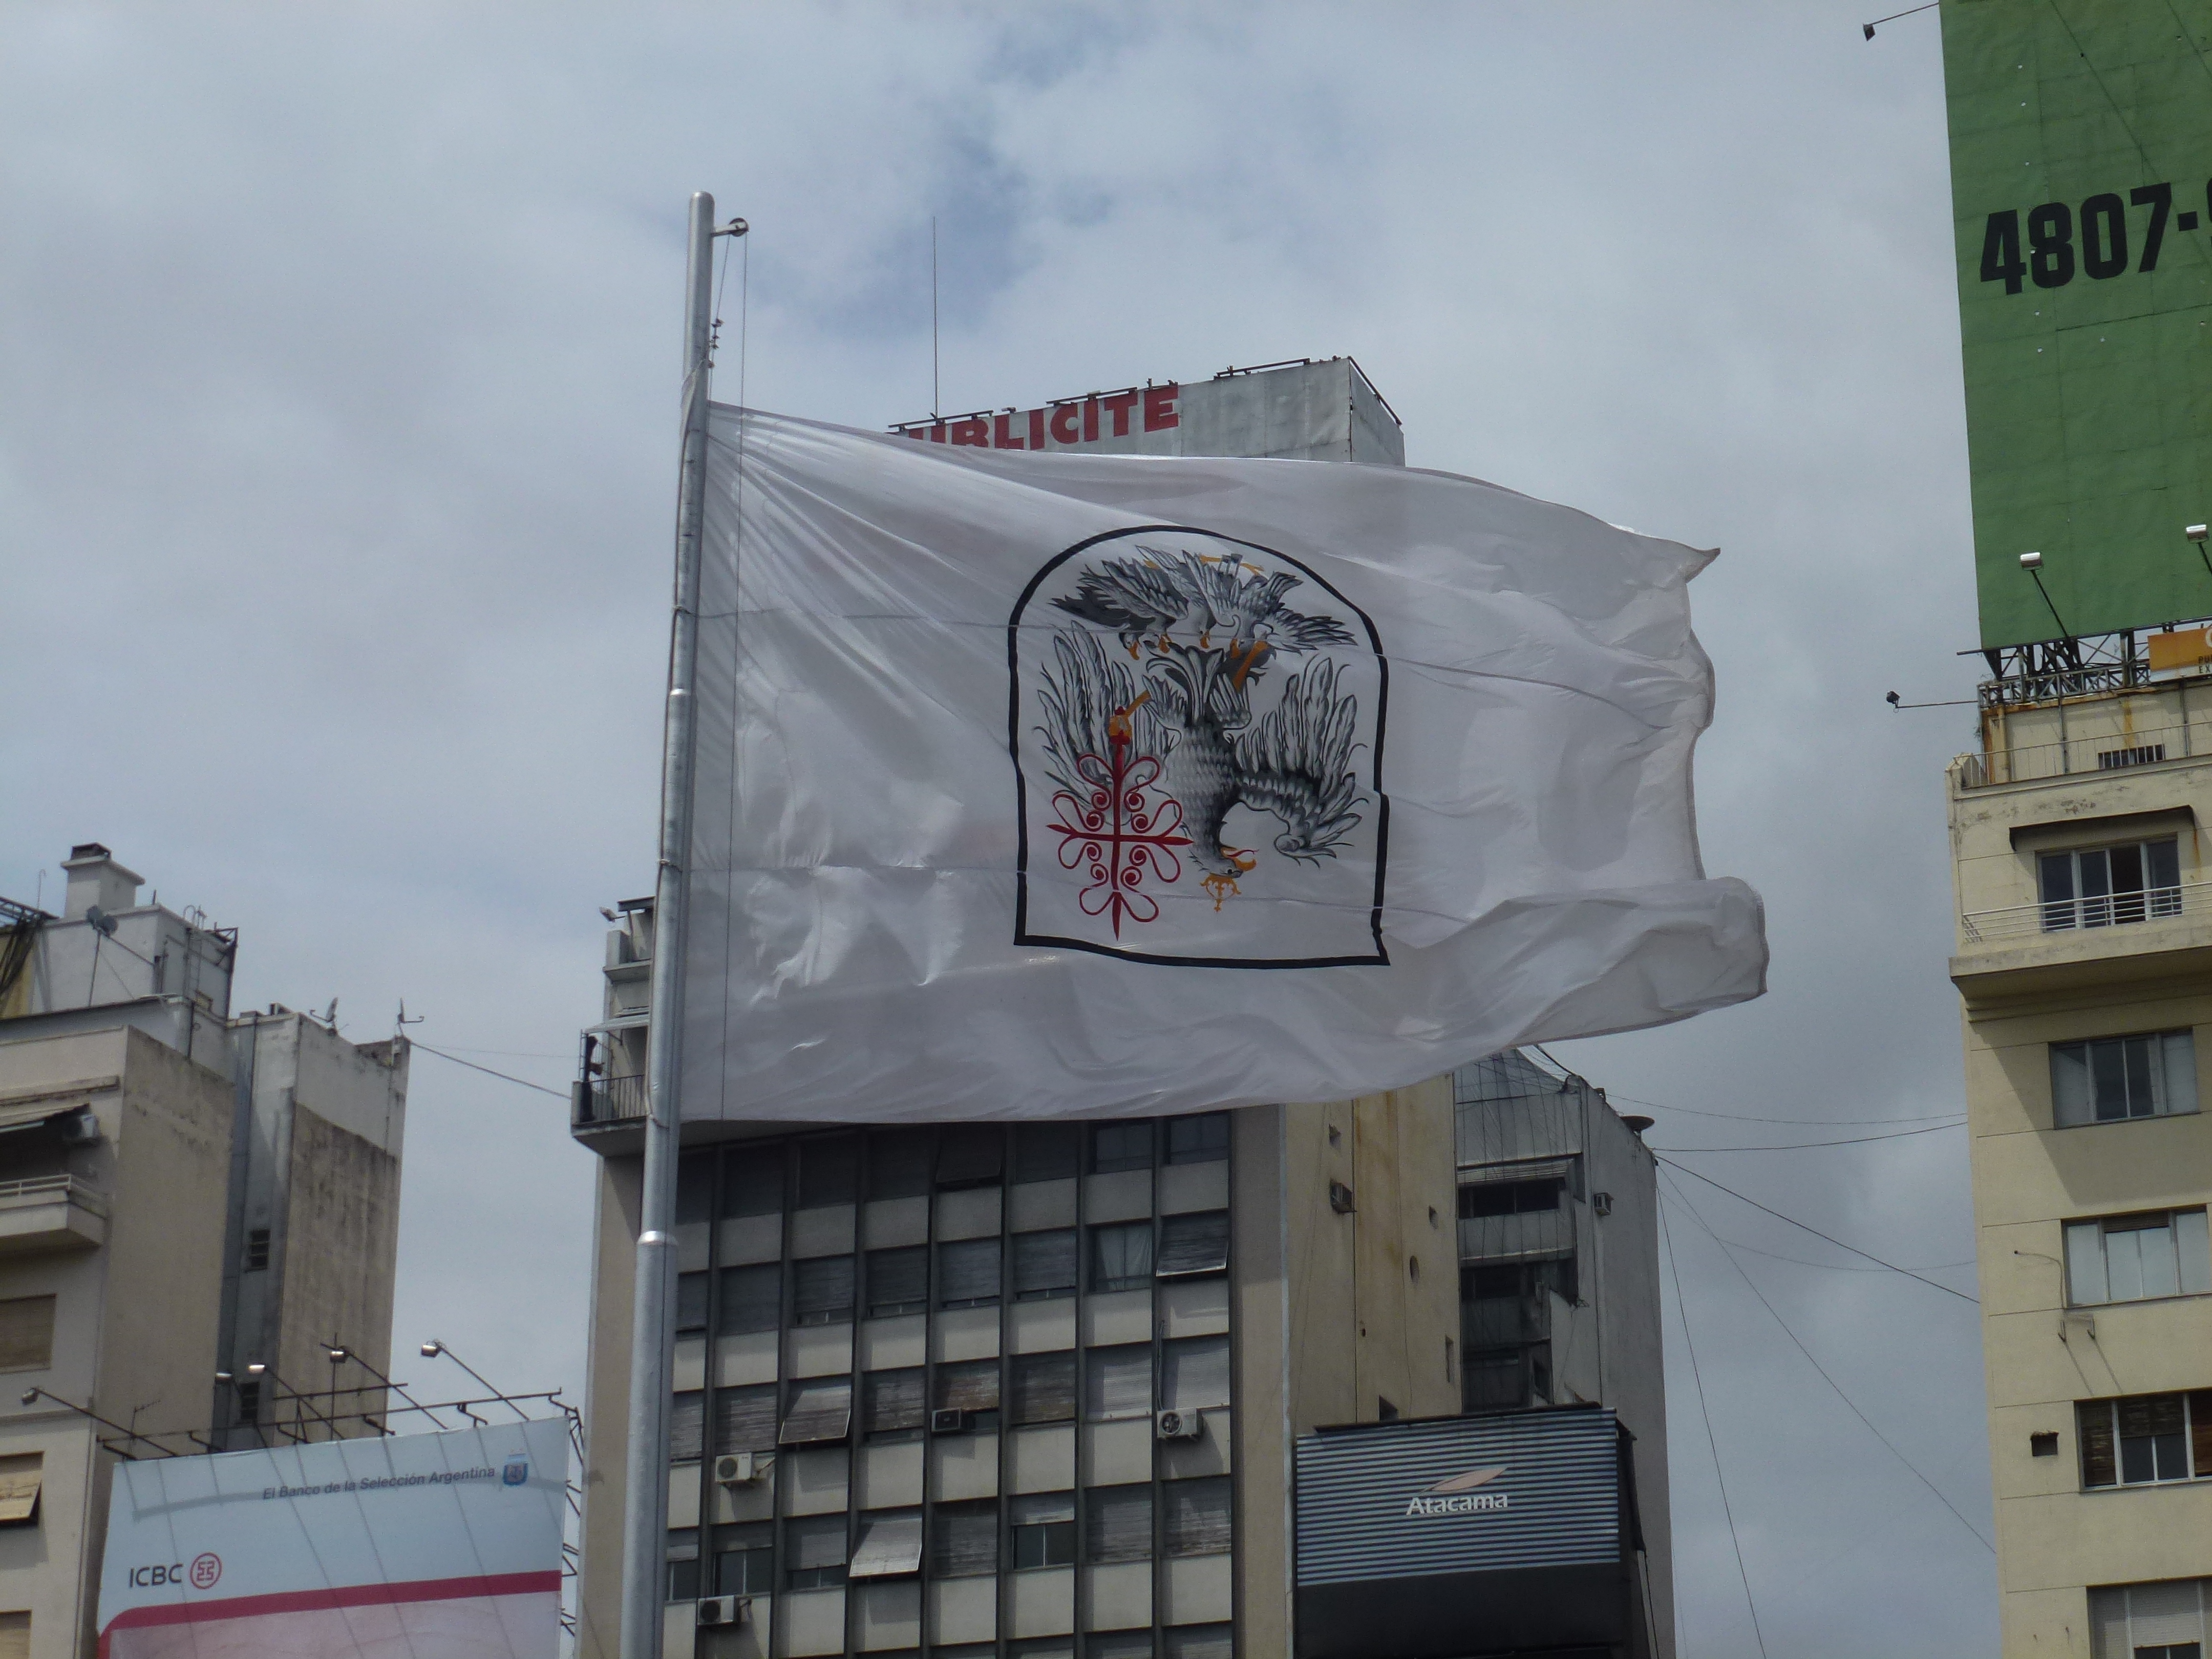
pixel 51 1213
pixel 1993 971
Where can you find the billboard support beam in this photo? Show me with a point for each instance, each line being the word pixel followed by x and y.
pixel 644 1519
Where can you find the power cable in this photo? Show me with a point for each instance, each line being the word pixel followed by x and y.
pixel 1803 1145
pixel 1817 1233
pixel 502 1076
pixel 1808 1122
pixel 1836 1266
pixel 1682 1312
pixel 1682 1199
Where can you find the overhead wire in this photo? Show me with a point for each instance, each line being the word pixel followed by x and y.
pixel 557 1094
pixel 1808 1122
pixel 1807 1146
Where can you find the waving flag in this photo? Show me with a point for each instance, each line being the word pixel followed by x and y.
pixel 1050 785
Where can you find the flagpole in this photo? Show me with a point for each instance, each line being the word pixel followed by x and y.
pixel 645 1520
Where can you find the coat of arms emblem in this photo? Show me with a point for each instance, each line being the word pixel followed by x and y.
pixel 1197 735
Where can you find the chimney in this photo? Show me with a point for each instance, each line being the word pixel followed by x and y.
pixel 94 877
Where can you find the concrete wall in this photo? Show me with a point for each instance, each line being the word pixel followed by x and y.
pixel 606 1405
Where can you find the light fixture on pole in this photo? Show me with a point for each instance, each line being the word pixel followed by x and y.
pixel 2033 563
pixel 433 1349
pixel 2196 533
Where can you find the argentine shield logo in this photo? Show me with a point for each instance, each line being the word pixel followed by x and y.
pixel 1197 732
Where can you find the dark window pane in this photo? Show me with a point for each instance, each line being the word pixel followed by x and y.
pixel 745 1559
pixel 827 1169
pixel 683 1576
pixel 2108 1082
pixel 2164 863
pixel 819 1411
pixel 971 1154
pixel 1046 1152
pixel 1119 1522
pixel 1195 1517
pixel 752 1180
pixel 691 1298
pixel 695 1188
pixel 2200 1432
pixel 1122 1147
pixel 1044 1264
pixel 2137 1056
pixel 814 1552
pixel 745 1418
pixel 968 1273
pixel 1200 1138
pixel 963 1540
pixel 971 1386
pixel 687 1425
pixel 1122 1257
pixel 822 1291
pixel 1041 1528
pixel 752 1299
pixel 898 1162
pixel 892 1401
pixel 1194 1243
pixel 898 1281
pixel 1044 1388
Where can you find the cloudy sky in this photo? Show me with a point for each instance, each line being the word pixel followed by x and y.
pixel 337 375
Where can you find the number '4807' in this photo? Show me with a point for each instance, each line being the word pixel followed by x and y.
pixel 2103 225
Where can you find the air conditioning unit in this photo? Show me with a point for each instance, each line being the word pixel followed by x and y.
pixel 741 1468
pixel 1178 1425
pixel 948 1422
pixel 718 1610
pixel 79 1127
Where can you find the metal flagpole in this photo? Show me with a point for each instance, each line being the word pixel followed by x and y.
pixel 645 1520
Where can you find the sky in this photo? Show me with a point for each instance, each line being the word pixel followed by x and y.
pixel 339 372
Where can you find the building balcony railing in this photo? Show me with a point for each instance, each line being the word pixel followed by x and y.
pixel 2066 917
pixel 51 1213
pixel 602 1101
pixel 2111 752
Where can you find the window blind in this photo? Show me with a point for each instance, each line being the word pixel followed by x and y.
pixel 20 1477
pixel 14 1636
pixel 1118 1383
pixel 971 1154
pixel 687 1426
pixel 898 1280
pixel 1039 1509
pixel 752 1299
pixel 1196 1521
pixel 970 1386
pixel 2200 1432
pixel 1120 1255
pixel 968 1273
pixel 822 1291
pixel 1123 1644
pixel 891 1545
pixel 1194 1243
pixel 745 1418
pixel 26 1333
pixel 1044 1263
pixel 965 1539
pixel 819 1411
pixel 898 1162
pixel 1119 1522
pixel 1199 1642
pixel 1044 1388
pixel 1194 1373
pixel 892 1400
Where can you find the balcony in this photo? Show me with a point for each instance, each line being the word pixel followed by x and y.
pixel 2064 916
pixel 607 1102
pixel 51 1213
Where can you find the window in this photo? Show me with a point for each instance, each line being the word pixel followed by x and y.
pixel 752 1299
pixel 1118 1383
pixel 2132 1258
pixel 1119 1523
pixel 2148 1621
pixel 20 1477
pixel 1201 1138
pixel 693 1293
pixel 695 1190
pixel 1043 1529
pixel 1044 1388
pixel 1046 1152
pixel 256 1250
pixel 898 1281
pixel 971 1154
pixel 745 1418
pixel 1194 1518
pixel 1122 1257
pixel 1194 1243
pixel 891 1403
pixel 814 1552
pixel 822 1291
pixel 890 1545
pixel 1044 1264
pixel 819 1411
pixel 687 1427
pixel 683 1564
pixel 898 1162
pixel 963 1539
pixel 1120 1146
pixel 2145 1438
pixel 1199 1642
pixel 249 1402
pixel 752 1180
pixel 745 1559
pixel 1194 1373
pixel 970 1387
pixel 1481 1197
pixel 2106 886
pixel 1121 1644
pixel 968 1274
pixel 16 1636
pixel 2111 1078
pixel 828 1171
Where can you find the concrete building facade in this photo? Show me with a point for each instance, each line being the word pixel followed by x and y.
pixel 2084 966
pixel 182 1194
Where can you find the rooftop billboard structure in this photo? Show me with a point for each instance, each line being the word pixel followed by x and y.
pixel 1305 409
pixel 2080 149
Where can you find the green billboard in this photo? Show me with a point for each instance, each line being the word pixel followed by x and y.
pixel 2081 195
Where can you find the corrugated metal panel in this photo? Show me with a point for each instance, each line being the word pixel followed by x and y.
pixel 1367 1503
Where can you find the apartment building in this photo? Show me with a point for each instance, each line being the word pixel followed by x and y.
pixel 2084 965
pixel 195 1209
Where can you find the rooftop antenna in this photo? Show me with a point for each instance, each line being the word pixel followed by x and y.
pixel 2033 563
pixel 404 1021
pixel 933 317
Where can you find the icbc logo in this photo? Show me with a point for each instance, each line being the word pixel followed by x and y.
pixel 207 1567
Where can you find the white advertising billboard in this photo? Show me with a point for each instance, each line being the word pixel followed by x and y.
pixel 434 1545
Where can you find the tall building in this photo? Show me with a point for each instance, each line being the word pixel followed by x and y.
pixel 182 1194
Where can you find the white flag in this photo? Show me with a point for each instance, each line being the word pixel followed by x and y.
pixel 1045 785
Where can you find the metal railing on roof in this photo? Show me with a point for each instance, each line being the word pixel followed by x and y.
pixel 2113 752
pixel 607 1100
pixel 2189 899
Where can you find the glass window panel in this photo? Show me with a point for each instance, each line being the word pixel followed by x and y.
pixel 2162 861
pixel 687 1425
pixel 814 1552
pixel 891 1402
pixel 963 1539
pixel 752 1180
pixel 2108 1081
pixel 898 1162
pixel 971 1154
pixel 970 1386
pixel 1195 1519
pixel 752 1298
pixel 2057 871
pixel 2124 1261
pixel 2069 1084
pixel 2139 1054
pixel 1115 1146
pixel 1122 1257
pixel 822 1291
pixel 1046 1152
pixel 1044 1388
pixel 1044 1264
pixel 968 1273
pixel 1194 1373
pixel 744 1558
pixel 2178 1071
pixel 1119 1522
pixel 1200 1137
pixel 818 1412
pixel 692 1294
pixel 898 1281
pixel 694 1189
pixel 1194 1243
pixel 827 1170
pixel 2085 1264
pixel 1118 1383
pixel 1041 1529
pixel 745 1418
pixel 889 1544
pixel 2195 1253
